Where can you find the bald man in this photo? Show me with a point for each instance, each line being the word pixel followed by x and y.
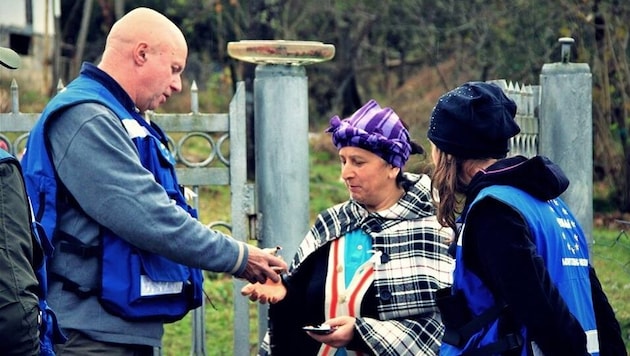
pixel 128 248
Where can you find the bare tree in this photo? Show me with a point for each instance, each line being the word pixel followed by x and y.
pixel 611 97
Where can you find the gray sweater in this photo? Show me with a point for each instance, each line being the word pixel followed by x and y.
pixel 99 165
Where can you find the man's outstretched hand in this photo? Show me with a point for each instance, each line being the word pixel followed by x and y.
pixel 262 265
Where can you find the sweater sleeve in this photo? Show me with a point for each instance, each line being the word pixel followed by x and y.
pixel 100 167
pixel 500 250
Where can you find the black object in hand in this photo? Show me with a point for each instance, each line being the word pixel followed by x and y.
pixel 319 329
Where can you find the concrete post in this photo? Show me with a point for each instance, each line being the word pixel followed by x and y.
pixel 281 141
pixel 282 155
pixel 282 159
pixel 566 129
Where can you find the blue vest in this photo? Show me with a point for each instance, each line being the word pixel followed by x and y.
pixel 49 331
pixel 562 245
pixel 135 284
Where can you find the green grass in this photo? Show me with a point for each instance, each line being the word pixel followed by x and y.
pixel 326 188
pixel 219 323
pixel 611 258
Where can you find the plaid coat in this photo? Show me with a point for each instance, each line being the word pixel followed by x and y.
pixel 414 263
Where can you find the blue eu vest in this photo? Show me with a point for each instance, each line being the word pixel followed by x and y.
pixel 135 284
pixel 562 245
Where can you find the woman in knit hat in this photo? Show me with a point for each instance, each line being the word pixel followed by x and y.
pixel 522 283
pixel 369 268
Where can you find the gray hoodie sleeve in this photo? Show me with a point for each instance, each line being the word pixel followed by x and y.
pixel 100 167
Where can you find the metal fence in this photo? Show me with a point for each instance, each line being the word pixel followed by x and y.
pixel 223 137
pixel 527 99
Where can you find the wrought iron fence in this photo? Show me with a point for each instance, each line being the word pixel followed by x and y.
pixel 527 102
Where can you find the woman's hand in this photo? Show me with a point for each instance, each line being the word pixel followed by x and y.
pixel 268 292
pixel 341 336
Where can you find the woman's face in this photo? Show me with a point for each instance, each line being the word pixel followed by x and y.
pixel 370 180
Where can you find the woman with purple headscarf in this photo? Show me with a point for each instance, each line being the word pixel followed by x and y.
pixel 369 268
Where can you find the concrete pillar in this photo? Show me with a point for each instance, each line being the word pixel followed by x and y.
pixel 281 141
pixel 282 155
pixel 566 129
pixel 282 159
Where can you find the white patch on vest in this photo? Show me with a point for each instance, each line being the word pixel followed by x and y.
pixel 592 342
pixel 149 287
pixel 568 261
pixel 134 129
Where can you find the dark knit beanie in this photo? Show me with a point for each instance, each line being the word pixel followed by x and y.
pixel 378 130
pixel 475 120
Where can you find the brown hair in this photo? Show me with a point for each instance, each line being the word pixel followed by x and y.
pixel 447 186
pixel 416 148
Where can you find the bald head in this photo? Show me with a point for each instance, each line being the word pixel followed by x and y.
pixel 143 49
pixel 143 24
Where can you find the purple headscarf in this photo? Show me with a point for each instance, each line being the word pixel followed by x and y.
pixel 376 129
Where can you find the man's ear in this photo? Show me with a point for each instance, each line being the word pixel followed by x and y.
pixel 140 53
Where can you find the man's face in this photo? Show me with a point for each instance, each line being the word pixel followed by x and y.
pixel 162 75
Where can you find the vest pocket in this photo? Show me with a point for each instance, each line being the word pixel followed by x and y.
pixel 138 285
